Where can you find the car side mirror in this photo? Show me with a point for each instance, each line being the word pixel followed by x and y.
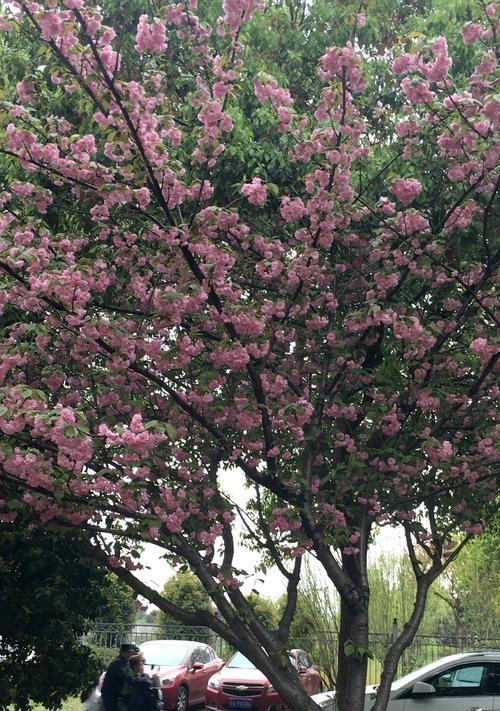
pixel 197 666
pixel 421 687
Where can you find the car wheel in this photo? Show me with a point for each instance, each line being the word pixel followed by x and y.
pixel 182 699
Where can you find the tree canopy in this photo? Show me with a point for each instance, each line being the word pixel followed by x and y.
pixel 206 267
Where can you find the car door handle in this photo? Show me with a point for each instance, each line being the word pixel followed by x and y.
pixel 477 708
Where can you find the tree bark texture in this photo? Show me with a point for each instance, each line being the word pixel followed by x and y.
pixel 352 667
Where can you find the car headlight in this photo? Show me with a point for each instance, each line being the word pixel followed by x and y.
pixel 168 680
pixel 270 687
pixel 213 683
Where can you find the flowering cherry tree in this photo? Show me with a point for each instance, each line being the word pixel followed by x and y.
pixel 331 336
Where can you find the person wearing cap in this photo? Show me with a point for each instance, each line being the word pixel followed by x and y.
pixel 116 675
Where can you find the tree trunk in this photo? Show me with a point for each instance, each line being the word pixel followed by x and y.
pixel 352 668
pixel 353 638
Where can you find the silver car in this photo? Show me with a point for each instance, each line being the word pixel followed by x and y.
pixel 462 682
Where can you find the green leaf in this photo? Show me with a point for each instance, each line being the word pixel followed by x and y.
pixel 170 430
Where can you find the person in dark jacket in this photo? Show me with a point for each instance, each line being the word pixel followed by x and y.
pixel 143 695
pixel 116 675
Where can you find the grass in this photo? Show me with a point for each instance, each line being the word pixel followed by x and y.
pixel 72 704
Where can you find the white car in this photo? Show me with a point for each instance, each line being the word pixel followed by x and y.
pixel 462 682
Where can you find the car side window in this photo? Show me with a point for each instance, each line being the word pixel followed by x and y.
pixel 460 681
pixel 205 655
pixel 211 654
pixel 196 656
pixel 303 660
pixel 491 680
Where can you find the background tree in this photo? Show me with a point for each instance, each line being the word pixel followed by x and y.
pixel 186 591
pixel 315 624
pixel 392 591
pixel 50 596
pixel 471 591
pixel 265 609
pixel 329 333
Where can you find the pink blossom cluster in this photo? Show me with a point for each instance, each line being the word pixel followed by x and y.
pixel 474 30
pixel 428 402
pixel 255 192
pixel 292 209
pixel 74 448
pixel 234 358
pixel 406 189
pixel 343 63
pixel 284 520
pixel 417 90
pixel 213 118
pixel 484 349
pixel 52 23
pixel 435 69
pixel 269 89
pixel 150 36
pixel 238 11
pixel 135 436
pixel 418 339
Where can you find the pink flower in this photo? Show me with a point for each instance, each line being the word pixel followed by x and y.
pixel 239 11
pixel 482 348
pixel 406 189
pixel 428 402
pixel 417 91
pixel 403 63
pixel 26 91
pixel 472 32
pixel 150 36
pixel 5 25
pixel 491 9
pixel 292 210
pixel 360 19
pixel 85 144
pixel 438 69
pixel 51 25
pixel 343 62
pixel 271 90
pixel 255 192
pixel 407 128
pixel 143 197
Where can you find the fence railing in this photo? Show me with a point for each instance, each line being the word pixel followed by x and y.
pixel 105 638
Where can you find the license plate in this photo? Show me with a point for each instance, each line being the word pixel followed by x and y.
pixel 239 704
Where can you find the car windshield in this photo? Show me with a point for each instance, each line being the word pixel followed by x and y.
pixel 163 656
pixel 239 661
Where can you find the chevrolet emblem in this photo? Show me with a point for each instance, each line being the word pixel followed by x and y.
pixel 241 688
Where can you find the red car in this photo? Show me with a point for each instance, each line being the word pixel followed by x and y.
pixel 239 685
pixel 184 669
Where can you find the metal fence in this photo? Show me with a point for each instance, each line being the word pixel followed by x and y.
pixel 105 638
pixel 423 650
